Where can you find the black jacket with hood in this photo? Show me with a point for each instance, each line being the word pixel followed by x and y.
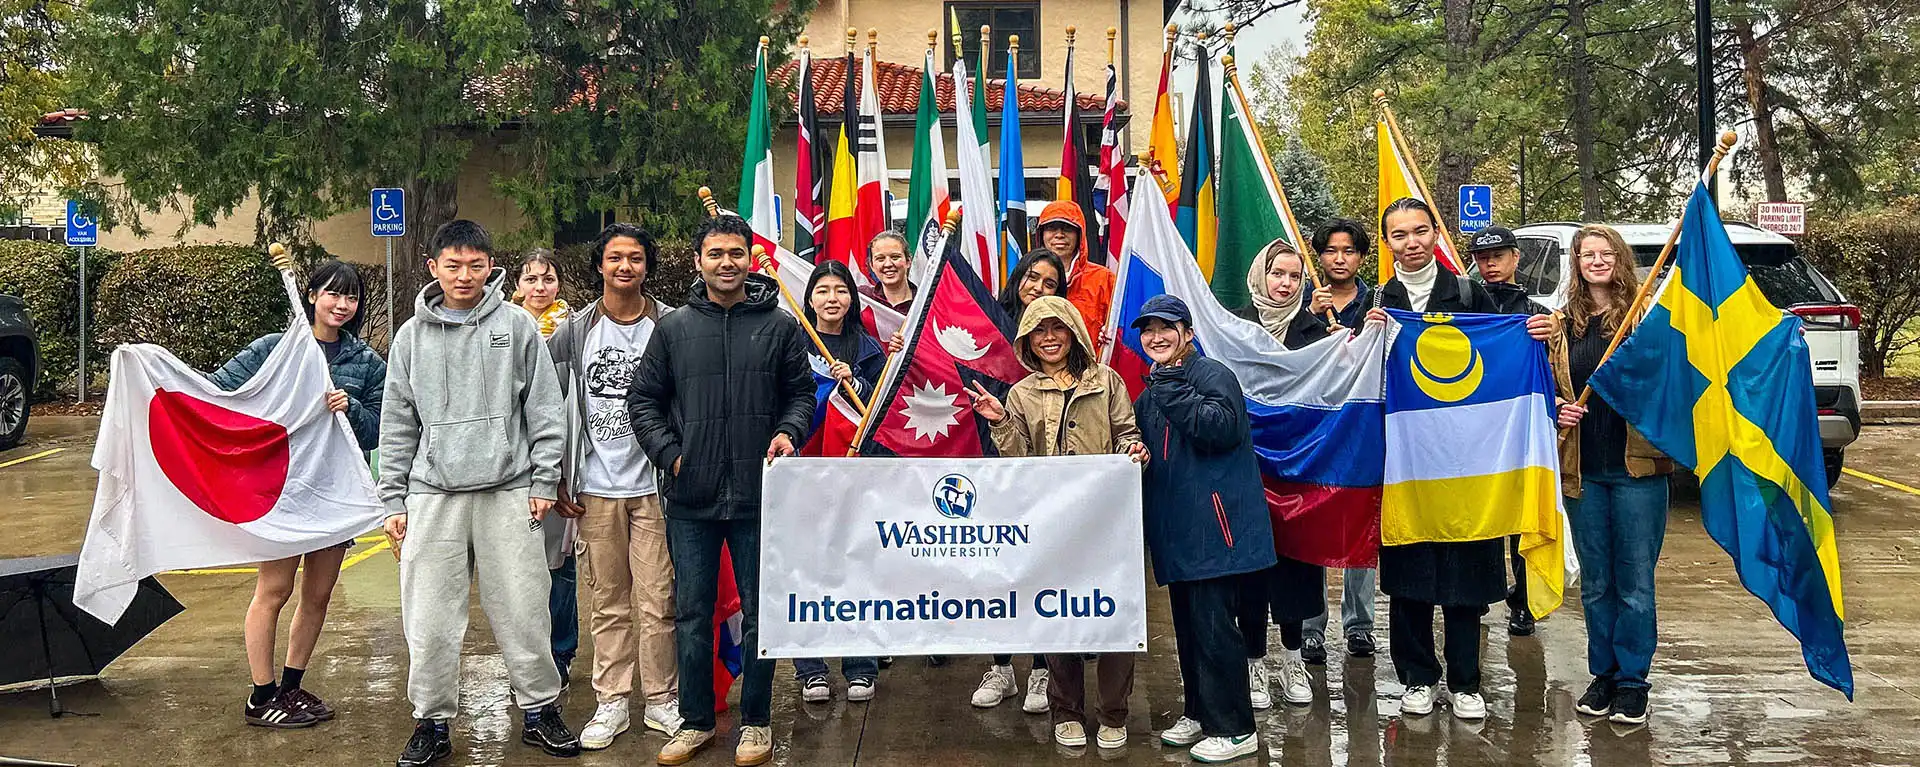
pixel 714 386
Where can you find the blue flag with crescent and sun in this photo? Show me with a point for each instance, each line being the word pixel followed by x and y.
pixel 1471 452
pixel 1721 380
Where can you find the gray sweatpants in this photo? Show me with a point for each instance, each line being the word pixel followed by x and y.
pixel 489 535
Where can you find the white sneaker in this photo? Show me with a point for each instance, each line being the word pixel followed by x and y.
pixel 1295 684
pixel 1036 700
pixel 1185 732
pixel 814 689
pixel 1418 699
pixel 664 717
pixel 609 720
pixel 1221 749
pixel 1070 734
pixel 1256 686
pixel 995 686
pixel 859 690
pixel 1469 705
pixel 1112 737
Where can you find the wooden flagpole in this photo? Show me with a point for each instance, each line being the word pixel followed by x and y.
pixel 1308 262
pixel 1405 147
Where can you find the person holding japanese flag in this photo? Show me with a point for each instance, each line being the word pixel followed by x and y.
pixel 471 442
pixel 332 304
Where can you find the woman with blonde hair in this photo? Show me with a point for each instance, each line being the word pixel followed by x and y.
pixel 1614 483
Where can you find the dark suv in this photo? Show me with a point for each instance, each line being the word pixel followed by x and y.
pixel 19 369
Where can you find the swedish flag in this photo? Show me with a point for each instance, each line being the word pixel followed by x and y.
pixel 1720 379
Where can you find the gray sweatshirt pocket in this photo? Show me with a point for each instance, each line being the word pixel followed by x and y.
pixel 470 454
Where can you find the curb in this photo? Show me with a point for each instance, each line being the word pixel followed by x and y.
pixel 1889 411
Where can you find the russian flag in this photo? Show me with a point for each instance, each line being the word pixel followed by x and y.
pixel 1318 413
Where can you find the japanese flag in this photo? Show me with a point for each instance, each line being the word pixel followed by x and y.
pixel 193 476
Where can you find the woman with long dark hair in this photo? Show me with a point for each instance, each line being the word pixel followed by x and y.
pixel 332 302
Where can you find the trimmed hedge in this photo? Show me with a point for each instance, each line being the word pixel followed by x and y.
pixel 46 276
pixel 204 303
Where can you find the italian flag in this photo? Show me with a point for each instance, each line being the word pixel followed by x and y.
pixel 927 198
pixel 756 166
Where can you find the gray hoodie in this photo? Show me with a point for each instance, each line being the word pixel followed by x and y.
pixel 471 406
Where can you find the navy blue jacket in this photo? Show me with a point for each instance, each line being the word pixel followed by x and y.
pixel 1206 510
pixel 356 370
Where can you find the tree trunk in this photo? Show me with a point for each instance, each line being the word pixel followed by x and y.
pixel 1581 76
pixel 1456 151
pixel 430 203
pixel 1753 56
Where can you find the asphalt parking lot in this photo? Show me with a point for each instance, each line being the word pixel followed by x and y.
pixel 1728 684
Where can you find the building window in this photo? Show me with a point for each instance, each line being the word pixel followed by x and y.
pixel 1007 19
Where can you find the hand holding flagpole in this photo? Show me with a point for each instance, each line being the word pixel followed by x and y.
pixel 766 264
pixel 1727 140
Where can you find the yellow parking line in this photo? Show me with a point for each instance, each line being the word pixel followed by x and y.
pixel 1881 481
pixel 351 561
pixel 34 457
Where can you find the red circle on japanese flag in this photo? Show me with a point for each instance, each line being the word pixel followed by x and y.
pixel 230 464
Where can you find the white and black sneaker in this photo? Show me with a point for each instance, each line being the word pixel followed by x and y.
pixel 545 729
pixel 280 713
pixel 814 689
pixel 429 744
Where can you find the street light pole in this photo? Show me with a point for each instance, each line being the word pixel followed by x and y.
pixel 1703 71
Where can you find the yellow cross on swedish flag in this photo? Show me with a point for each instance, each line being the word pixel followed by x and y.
pixel 1720 379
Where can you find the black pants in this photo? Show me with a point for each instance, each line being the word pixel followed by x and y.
pixel 1410 642
pixel 1253 605
pixel 1039 661
pixel 1213 666
pixel 1517 596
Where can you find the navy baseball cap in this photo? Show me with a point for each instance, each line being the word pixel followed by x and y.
pixel 1166 308
pixel 1494 237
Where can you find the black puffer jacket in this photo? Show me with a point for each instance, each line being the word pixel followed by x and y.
pixel 1509 298
pixel 714 386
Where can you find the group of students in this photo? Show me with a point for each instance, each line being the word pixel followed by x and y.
pixel 513 438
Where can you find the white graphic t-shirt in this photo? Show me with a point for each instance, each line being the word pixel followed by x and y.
pixel 616 467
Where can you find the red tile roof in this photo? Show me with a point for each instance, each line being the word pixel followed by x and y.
pixel 62 116
pixel 899 88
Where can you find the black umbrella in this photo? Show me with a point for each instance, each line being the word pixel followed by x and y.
pixel 44 636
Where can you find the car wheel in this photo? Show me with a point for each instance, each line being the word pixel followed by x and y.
pixel 13 402
pixel 1835 458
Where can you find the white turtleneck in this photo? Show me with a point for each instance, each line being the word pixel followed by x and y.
pixel 1419 284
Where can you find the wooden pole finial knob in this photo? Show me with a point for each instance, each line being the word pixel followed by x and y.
pixel 1728 138
pixel 802 41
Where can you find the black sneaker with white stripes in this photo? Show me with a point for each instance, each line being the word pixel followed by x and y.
pixel 429 744
pixel 308 702
pixel 280 713
pixel 549 732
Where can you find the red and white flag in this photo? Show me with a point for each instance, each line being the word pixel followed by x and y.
pixel 1113 173
pixel 193 476
pixel 871 211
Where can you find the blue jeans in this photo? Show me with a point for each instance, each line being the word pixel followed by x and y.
pixel 1619 523
pixel 1356 604
pixel 563 603
pixel 695 548
pixel 851 668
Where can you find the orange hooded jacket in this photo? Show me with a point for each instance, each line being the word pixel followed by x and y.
pixel 1089 285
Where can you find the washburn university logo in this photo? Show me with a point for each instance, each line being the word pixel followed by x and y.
pixel 953 496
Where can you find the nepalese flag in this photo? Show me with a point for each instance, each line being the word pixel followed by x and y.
pixel 193 476
pixel 729 659
pixel 1317 412
pixel 1456 380
pixel 956 335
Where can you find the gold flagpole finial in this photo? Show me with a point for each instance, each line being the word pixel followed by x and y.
pixel 1226 64
pixel 1173 31
pixel 707 201
pixel 1229 30
pixel 853 38
pixel 802 41
pixel 933 38
pixel 873 39
pixel 1070 33
pixel 1013 43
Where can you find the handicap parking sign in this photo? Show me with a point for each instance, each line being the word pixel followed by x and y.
pixel 389 212
pixel 82 230
pixel 1476 207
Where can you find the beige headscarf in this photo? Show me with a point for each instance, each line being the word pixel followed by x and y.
pixel 1275 316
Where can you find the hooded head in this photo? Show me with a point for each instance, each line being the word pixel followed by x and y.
pixel 1062 214
pixel 1079 358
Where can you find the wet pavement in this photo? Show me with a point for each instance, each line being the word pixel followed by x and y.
pixel 1728 684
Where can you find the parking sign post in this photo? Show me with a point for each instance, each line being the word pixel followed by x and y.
pixel 387 209
pixel 83 232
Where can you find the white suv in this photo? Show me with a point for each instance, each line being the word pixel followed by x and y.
pixel 1833 325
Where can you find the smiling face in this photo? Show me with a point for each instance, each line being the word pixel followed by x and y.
pixel 889 261
pixel 830 299
pixel 1041 279
pixel 462 274
pixel 1596 259
pixel 723 263
pixel 332 309
pixel 1283 277
pixel 1061 240
pixel 1411 236
pixel 1165 342
pixel 623 266
pixel 1340 258
pixel 1050 341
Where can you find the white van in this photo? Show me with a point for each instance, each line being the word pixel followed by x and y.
pixel 1787 280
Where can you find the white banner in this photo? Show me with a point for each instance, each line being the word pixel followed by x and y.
pixel 972 556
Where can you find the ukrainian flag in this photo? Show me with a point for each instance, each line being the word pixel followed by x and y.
pixel 1471 451
pixel 1720 379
